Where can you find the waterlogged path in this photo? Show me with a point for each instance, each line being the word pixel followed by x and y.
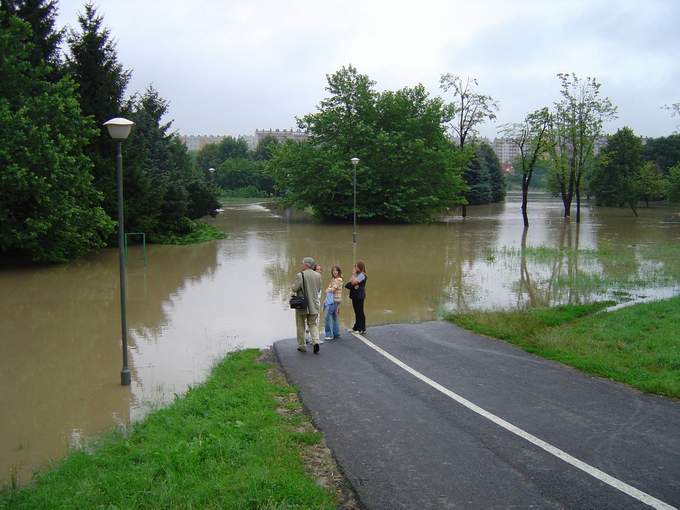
pixel 60 355
pixel 431 416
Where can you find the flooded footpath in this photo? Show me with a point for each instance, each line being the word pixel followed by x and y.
pixel 60 353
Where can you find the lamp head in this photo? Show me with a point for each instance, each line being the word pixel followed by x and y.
pixel 119 128
pixel 355 161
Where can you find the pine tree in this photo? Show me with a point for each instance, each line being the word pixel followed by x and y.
pixel 41 15
pixel 93 63
pixel 494 172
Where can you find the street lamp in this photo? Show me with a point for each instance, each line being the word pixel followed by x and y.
pixel 355 162
pixel 119 129
pixel 212 172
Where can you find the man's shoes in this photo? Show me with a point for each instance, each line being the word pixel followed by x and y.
pixel 316 348
pixel 328 338
pixel 302 349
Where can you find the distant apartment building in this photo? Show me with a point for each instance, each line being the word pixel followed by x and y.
pixel 280 135
pixel 505 150
pixel 197 142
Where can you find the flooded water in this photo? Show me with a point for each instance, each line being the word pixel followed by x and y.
pixel 60 354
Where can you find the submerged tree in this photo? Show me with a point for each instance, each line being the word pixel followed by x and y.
pixel 576 125
pixel 408 172
pixel 467 110
pixel 616 181
pixel 531 139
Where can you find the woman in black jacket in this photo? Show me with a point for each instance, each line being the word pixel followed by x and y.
pixel 357 293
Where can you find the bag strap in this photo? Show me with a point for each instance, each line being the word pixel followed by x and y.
pixel 304 291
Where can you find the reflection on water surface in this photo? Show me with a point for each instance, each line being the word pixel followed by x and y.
pixel 60 338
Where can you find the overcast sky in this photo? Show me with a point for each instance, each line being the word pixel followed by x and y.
pixel 229 67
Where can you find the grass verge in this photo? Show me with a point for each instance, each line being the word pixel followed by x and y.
pixel 221 445
pixel 638 345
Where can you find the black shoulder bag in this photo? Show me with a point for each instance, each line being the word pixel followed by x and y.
pixel 299 302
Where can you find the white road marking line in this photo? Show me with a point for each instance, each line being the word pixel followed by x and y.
pixel 592 471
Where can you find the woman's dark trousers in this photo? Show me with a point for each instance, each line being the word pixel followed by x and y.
pixel 360 324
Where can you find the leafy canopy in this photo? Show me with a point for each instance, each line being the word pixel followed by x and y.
pixel 408 169
pixel 49 209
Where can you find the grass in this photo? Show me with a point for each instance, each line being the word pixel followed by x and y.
pixel 221 445
pixel 638 345
pixel 200 233
pixel 604 270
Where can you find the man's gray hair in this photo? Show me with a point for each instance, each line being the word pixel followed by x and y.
pixel 309 262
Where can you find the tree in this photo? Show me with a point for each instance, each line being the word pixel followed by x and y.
pixel 497 185
pixel 238 173
pixel 265 148
pixel 477 179
pixel 617 176
pixel 531 138
pixel 102 80
pixel 49 210
pixel 41 15
pixel 162 187
pixel 652 183
pixel 213 155
pixel 467 110
pixel 576 124
pixel 664 152
pixel 673 184
pixel 408 170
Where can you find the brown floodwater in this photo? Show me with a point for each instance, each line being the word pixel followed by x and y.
pixel 60 354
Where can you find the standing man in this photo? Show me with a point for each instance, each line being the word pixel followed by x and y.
pixel 310 315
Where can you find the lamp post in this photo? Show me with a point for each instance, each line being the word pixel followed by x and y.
pixel 119 129
pixel 355 162
pixel 212 174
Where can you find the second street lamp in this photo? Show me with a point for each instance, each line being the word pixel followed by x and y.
pixel 119 129
pixel 355 162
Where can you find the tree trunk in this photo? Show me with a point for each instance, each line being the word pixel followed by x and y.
pixel 464 211
pixel 525 198
pixel 633 208
pixel 578 205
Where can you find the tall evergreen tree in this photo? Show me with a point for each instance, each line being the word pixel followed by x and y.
pixel 93 63
pixel 494 171
pixel 477 179
pixel 41 15
pixel 162 186
pixel 49 210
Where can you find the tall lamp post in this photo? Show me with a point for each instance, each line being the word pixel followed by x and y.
pixel 355 162
pixel 211 170
pixel 119 129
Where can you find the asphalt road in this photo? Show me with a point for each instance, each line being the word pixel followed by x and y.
pixel 405 445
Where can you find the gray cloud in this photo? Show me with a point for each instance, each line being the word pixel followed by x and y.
pixel 231 67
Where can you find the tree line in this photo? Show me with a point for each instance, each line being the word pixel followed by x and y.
pixel 561 141
pixel 57 185
pixel 237 170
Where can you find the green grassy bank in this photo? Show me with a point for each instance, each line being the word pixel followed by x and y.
pixel 638 345
pixel 221 445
